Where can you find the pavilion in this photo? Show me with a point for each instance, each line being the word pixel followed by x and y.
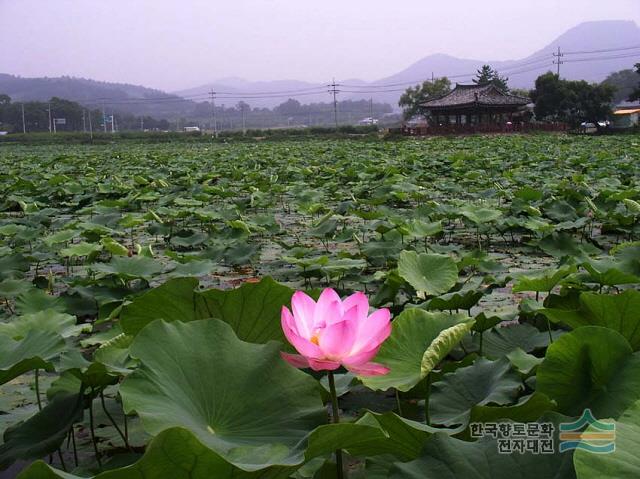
pixel 475 105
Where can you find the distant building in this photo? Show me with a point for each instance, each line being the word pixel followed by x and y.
pixel 188 129
pixel 368 121
pixel 626 117
pixel 476 105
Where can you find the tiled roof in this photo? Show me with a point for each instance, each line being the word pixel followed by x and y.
pixel 476 95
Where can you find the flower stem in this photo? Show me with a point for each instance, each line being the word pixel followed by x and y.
pixel 399 406
pixel 426 400
pixel 336 419
pixel 37 378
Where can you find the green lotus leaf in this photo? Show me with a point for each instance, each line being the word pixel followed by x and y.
pixel 171 301
pixel 502 340
pixel 484 382
pixel 528 409
pixel 174 454
pixel 542 281
pixel 47 320
pixel 445 457
pixel 42 433
pixel 419 341
pixel 240 400
pixel 253 310
pixel 80 249
pixel 36 300
pixel 34 351
pixel 624 460
pixel 525 363
pixel 620 312
pixel 591 367
pixel 430 274
pixel 130 268
pixel 480 215
pixel 10 288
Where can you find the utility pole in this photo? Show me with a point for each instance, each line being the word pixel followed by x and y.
pixel 333 89
pixel 104 118
pixel 558 61
pixel 371 108
pixel 90 126
pixel 244 123
pixel 49 117
pixel 222 119
pixel 212 96
pixel 24 125
pixel 84 121
pixel 142 123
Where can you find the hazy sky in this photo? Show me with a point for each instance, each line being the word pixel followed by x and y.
pixel 174 44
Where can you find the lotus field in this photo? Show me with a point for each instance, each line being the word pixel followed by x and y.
pixel 443 308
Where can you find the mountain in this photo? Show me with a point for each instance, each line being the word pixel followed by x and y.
pixel 123 97
pixel 271 93
pixel 522 73
pixel 592 51
pixel 586 37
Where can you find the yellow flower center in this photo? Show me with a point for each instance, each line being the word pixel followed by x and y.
pixel 315 339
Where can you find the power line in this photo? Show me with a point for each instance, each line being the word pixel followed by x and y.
pixel 615 57
pixel 606 50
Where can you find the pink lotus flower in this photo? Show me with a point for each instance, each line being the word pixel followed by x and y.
pixel 333 333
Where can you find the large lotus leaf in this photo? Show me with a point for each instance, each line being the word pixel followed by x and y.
pixel 404 438
pixel 620 312
pixel 36 300
pixel 464 300
pixel 523 362
pixel 194 268
pixel 80 249
pixel 542 281
pixel 430 274
pixel 445 457
pixel 253 310
pixel 33 352
pixel 563 244
pixel 480 215
pixel 174 454
pixel 172 301
pixel 10 288
pixel 130 268
pixel 484 382
pixel 609 272
pixel 47 320
pixel 528 409
pixel 42 433
pixel 419 341
pixel 591 367
pixel 624 461
pixel 502 340
pixel 239 399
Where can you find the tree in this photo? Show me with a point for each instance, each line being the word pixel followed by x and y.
pixel 412 98
pixel 488 76
pixel 635 94
pixel 4 99
pixel 290 107
pixel 571 101
pixel 624 81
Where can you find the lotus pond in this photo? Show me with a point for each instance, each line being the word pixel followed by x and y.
pixel 142 288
